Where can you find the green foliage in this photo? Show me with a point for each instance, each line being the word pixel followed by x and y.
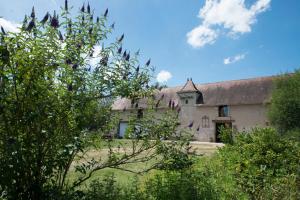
pixel 104 189
pixel 174 156
pixel 293 134
pixel 107 189
pixel 219 178
pixel 284 111
pixel 258 165
pixel 264 165
pixel 53 93
pixel 52 97
pixel 227 135
pixel 182 184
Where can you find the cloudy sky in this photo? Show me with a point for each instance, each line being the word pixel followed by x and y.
pixel 208 40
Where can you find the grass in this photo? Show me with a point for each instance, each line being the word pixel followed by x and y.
pixel 99 149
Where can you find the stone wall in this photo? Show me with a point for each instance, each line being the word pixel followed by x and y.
pixel 243 117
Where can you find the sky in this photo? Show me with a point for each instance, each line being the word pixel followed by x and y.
pixel 206 40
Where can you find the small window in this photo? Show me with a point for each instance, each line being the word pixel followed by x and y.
pixel 205 121
pixel 223 111
pixel 199 99
pixel 186 101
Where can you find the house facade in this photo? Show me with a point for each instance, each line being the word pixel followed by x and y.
pixel 204 108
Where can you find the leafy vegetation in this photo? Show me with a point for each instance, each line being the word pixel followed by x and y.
pixel 227 135
pixel 56 88
pixel 264 165
pixel 257 165
pixel 55 102
pixel 284 110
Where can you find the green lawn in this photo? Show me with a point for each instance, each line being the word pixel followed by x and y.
pixel 122 145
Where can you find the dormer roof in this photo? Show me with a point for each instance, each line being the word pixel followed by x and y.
pixel 188 87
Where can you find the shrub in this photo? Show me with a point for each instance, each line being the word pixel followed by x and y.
pixel 264 165
pixel 218 178
pixel 183 184
pixel 107 189
pixel 227 135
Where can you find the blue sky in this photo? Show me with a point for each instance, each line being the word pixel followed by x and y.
pixel 209 41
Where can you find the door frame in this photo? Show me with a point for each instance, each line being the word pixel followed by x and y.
pixel 119 128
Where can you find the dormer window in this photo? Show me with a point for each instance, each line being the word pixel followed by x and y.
pixel 223 111
pixel 199 99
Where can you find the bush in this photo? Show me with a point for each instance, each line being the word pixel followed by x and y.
pixel 184 184
pixel 227 135
pixel 293 135
pixel 218 178
pixel 107 189
pixel 260 164
pixel 265 165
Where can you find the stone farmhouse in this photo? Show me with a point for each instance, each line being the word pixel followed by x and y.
pixel 204 108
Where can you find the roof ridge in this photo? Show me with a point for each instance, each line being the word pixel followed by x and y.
pixel 210 83
pixel 244 79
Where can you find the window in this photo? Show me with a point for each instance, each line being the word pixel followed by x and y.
pixel 223 111
pixel 199 99
pixel 186 101
pixel 205 121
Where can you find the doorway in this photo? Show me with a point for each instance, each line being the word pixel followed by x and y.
pixel 122 129
pixel 219 126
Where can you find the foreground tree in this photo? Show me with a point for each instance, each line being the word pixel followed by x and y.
pixel 58 79
pixel 284 110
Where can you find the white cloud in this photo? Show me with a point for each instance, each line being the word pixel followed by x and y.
pixel 234 59
pixel 230 16
pixel 9 26
pixel 201 35
pixel 163 76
